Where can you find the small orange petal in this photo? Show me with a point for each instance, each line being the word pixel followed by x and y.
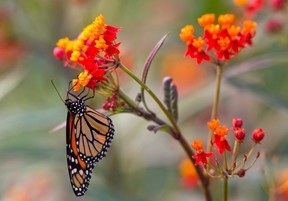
pixel 187 34
pixel 221 131
pixel 206 19
pixel 197 145
pixel 226 20
pixel 213 124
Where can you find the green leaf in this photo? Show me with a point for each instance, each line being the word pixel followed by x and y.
pixel 148 64
pixel 151 57
pixel 156 128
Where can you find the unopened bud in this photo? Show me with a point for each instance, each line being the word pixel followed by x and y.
pixel 273 25
pixel 237 122
pixel 239 134
pixel 58 52
pixel 258 135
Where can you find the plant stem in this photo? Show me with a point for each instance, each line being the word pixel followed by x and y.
pixel 225 188
pixel 225 193
pixel 214 116
pixel 215 103
pixel 203 178
pixel 234 155
pixel 155 98
pixel 175 131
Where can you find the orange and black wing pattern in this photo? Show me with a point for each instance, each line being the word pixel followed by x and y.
pixel 88 137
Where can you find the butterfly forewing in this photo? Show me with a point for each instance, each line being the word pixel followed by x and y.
pixel 79 172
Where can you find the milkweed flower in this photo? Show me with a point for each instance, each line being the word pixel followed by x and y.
pixel 200 156
pixel 220 139
pixel 213 124
pixel 221 40
pixel 220 133
pixel 95 50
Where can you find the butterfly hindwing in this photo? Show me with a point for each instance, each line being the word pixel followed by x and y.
pixel 94 133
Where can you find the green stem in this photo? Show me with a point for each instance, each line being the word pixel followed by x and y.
pixel 248 155
pixel 154 97
pixel 225 188
pixel 234 155
pixel 225 193
pixel 225 161
pixel 215 104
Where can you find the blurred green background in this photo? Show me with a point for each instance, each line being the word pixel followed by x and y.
pixel 141 166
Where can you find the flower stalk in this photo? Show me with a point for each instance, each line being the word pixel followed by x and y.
pixel 175 131
pixel 215 103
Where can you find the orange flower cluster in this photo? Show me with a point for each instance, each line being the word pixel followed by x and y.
pixel 220 133
pixel 221 40
pixel 94 49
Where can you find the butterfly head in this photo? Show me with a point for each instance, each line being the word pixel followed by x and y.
pixel 76 107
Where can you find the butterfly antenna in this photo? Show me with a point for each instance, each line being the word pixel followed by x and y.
pixel 57 91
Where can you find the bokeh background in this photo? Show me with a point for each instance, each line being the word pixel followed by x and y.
pixel 141 166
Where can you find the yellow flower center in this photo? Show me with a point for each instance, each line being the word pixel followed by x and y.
pixel 198 43
pixel 213 30
pixel 101 43
pixel 75 56
pixel 82 80
pixel 224 42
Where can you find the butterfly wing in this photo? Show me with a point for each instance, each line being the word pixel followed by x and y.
pixel 88 138
pixel 94 133
pixel 79 171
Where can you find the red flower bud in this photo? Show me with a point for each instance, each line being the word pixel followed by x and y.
pixel 239 134
pixel 237 122
pixel 58 52
pixel 258 135
pixel 273 25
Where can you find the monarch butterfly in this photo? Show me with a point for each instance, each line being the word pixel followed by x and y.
pixel 88 137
